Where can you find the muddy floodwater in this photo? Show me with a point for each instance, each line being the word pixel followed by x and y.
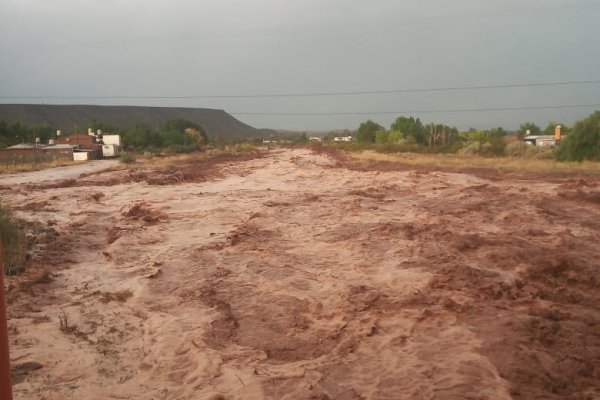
pixel 292 275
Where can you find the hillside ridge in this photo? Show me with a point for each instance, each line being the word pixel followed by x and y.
pixel 73 117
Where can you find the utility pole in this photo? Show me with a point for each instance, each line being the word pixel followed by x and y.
pixel 5 379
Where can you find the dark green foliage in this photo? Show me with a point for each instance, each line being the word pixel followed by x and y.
pixel 105 128
pixel 496 133
pixel 529 126
pixel 172 135
pixel 583 142
pixel 381 136
pixel 495 146
pixel 14 243
pixel 411 128
pixel 302 138
pixel 367 131
pixel 15 132
pixel 552 125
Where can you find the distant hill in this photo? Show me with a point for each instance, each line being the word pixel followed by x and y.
pixel 71 117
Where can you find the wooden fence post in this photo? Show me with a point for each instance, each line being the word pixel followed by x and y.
pixel 5 380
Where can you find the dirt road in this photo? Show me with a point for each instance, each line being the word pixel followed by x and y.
pixel 290 276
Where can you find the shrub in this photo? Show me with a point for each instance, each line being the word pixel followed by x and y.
pixel 493 147
pixel 127 158
pixel 522 149
pixel 244 147
pixel 519 149
pixel 14 242
pixel 583 143
pixel 473 148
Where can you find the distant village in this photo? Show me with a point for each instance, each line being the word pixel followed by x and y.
pixel 98 145
pixel 526 137
pixel 93 146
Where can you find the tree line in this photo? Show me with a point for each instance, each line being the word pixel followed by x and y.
pixel 581 142
pixel 177 134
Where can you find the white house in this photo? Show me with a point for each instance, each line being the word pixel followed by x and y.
pixel 343 139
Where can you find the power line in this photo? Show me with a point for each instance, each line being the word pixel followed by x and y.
pixel 424 111
pixel 314 94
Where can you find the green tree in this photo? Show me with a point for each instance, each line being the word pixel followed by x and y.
pixel 367 130
pixel 302 138
pixel 476 136
pixel 395 136
pixel 583 142
pixel 142 137
pixel 552 126
pixel 441 135
pixel 104 127
pixel 529 126
pixel 496 132
pixel 381 136
pixel 411 128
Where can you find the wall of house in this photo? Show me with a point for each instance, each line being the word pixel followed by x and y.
pixel 86 155
pixel 19 156
pixel 82 141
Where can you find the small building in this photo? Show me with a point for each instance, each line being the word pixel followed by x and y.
pixel 110 150
pixel 111 139
pixel 343 139
pixel 544 140
pixel 86 154
pixel 25 152
pixel 540 140
pixel 315 139
pixel 83 141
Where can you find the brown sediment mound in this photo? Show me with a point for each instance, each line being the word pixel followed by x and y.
pixel 113 234
pixel 248 230
pixel 143 211
pixel 161 177
pixel 35 206
pixel 65 183
pixel 373 193
pixel 96 196
pixel 190 170
pixel 592 196
pixel 193 169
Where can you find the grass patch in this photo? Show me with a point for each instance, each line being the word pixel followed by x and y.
pixel 127 158
pixel 472 161
pixel 14 242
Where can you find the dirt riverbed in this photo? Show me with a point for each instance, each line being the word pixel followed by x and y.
pixel 297 275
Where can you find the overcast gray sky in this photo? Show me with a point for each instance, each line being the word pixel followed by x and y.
pixel 231 47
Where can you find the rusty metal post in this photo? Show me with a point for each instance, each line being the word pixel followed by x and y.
pixel 5 382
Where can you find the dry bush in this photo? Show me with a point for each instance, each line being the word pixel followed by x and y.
pixel 14 242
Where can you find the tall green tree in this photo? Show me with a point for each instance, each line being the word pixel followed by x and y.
pixel 395 136
pixel 367 131
pixel 496 132
pixel 411 128
pixel 529 126
pixel 381 136
pixel 552 126
pixel 583 142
